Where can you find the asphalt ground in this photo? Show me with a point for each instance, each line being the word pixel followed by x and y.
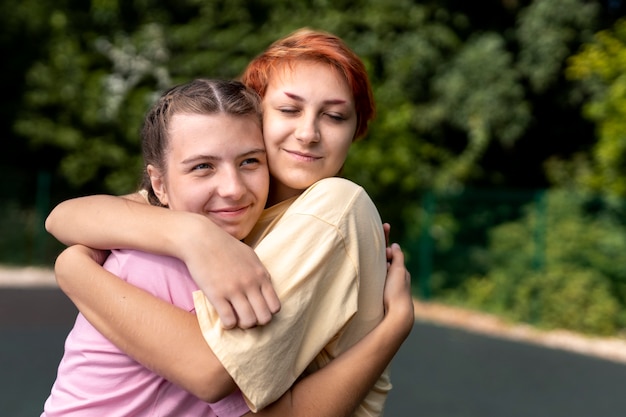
pixel 439 372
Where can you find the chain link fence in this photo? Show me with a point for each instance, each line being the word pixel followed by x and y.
pixel 23 238
pixel 454 234
pixel 452 241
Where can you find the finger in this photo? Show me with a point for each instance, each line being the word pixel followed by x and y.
pixel 397 256
pixel 398 268
pixel 246 317
pixel 265 303
pixel 226 312
pixel 261 309
pixel 271 298
pixel 397 294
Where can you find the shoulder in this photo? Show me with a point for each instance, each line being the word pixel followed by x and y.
pixel 134 256
pixel 334 199
pixel 335 184
pixel 336 192
pixel 131 264
pixel 162 276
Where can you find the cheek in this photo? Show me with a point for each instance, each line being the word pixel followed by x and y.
pixel 260 186
pixel 342 147
pixel 340 154
pixel 273 130
pixel 268 137
pixel 189 197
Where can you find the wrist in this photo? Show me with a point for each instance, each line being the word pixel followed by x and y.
pixel 196 238
pixel 188 231
pixel 400 319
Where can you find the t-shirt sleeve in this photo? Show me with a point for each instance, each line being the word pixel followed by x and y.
pixel 316 279
pixel 233 405
pixel 162 276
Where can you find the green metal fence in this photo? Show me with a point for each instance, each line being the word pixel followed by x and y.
pixel 452 242
pixel 24 241
pixel 454 232
pixel 23 238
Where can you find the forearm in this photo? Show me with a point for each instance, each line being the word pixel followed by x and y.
pixel 108 222
pixel 160 336
pixel 228 271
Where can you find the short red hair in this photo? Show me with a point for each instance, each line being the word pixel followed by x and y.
pixel 317 46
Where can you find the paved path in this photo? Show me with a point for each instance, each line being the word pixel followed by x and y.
pixel 33 325
pixel 447 372
pixel 439 372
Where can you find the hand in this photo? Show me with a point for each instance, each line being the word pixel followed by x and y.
pixel 397 297
pixel 234 281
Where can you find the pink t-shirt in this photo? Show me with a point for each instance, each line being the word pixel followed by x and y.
pixel 95 378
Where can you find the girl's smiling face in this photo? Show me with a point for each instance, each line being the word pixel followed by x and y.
pixel 309 123
pixel 215 165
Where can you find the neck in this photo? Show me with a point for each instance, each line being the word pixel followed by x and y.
pixel 279 193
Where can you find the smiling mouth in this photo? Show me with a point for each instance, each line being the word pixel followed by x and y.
pixel 303 156
pixel 229 211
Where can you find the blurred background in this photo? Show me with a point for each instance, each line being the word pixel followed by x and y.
pixel 498 153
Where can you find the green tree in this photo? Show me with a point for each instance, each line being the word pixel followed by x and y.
pixel 456 91
pixel 579 282
pixel 105 64
pixel 600 66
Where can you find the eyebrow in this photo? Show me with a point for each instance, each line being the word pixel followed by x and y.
pixel 301 99
pixel 196 158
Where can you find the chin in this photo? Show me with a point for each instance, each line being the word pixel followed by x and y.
pixel 304 183
pixel 237 234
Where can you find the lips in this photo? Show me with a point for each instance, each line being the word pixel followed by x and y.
pixel 234 220
pixel 303 156
pixel 229 211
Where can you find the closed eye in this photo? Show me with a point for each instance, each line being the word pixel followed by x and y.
pixel 336 116
pixel 288 110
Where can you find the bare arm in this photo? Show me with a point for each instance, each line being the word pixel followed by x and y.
pixel 338 388
pixel 246 298
pixel 158 328
pixel 159 335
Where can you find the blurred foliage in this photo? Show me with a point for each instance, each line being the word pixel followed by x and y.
pixel 547 35
pixel 468 97
pixel 559 265
pixel 600 66
pixel 23 240
pixel 449 87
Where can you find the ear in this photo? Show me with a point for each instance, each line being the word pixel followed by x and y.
pixel 158 184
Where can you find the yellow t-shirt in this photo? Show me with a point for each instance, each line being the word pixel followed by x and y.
pixel 325 251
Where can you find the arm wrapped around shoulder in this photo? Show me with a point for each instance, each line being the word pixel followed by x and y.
pixel 326 256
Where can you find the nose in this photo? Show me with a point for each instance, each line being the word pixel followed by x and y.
pixel 307 130
pixel 231 185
